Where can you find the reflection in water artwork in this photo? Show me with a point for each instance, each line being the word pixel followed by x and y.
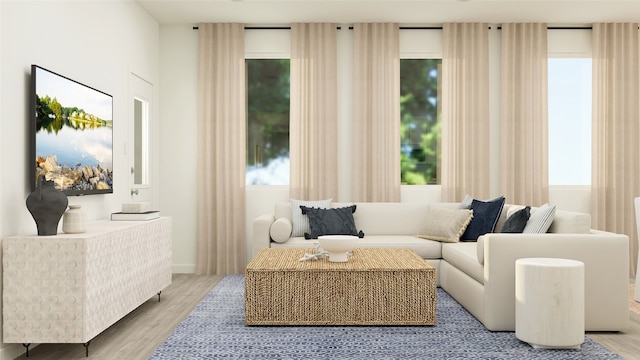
pixel 73 134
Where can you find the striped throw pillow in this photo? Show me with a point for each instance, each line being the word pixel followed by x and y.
pixel 540 220
pixel 299 221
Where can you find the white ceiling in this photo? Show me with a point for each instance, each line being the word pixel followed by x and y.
pixel 264 12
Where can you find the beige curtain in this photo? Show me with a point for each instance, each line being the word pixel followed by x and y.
pixel 524 170
pixel 221 149
pixel 615 165
pixel 465 111
pixel 314 113
pixel 376 112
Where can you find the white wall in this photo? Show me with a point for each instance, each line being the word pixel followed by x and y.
pixel 178 133
pixel 98 43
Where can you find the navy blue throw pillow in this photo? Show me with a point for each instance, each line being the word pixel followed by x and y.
pixel 485 218
pixel 338 221
pixel 517 221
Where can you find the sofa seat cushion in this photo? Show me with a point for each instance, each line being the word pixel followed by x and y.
pixel 463 256
pixel 427 249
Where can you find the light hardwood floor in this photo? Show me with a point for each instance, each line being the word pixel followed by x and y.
pixel 136 336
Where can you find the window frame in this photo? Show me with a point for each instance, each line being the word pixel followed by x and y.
pixel 569 43
pixel 416 43
pixel 261 43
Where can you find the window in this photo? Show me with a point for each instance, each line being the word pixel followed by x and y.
pixel 420 121
pixel 267 121
pixel 569 121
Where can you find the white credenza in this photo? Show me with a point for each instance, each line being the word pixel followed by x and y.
pixel 68 288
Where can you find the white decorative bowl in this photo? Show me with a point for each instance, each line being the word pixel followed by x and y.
pixel 338 246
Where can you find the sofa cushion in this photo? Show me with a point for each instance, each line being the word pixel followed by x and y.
pixel 331 222
pixel 463 256
pixel 485 218
pixel 392 218
pixel 540 220
pixel 446 225
pixel 427 249
pixel 569 222
pixel 564 222
pixel 466 203
pixel 517 221
pixel 280 230
pixel 503 217
pixel 301 222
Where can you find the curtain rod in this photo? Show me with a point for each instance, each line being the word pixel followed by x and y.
pixel 267 27
pixel 338 27
pixel 499 27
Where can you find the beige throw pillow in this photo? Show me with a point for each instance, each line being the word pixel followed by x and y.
pixel 445 224
pixel 280 230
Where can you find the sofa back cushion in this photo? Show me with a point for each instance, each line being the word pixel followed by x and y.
pixel 282 210
pixel 409 218
pixel 376 218
pixel 570 222
pixel 392 218
pixel 564 222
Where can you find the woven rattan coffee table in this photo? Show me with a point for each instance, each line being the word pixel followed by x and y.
pixel 375 287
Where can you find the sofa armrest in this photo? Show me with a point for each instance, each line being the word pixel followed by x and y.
pixel 606 259
pixel 261 237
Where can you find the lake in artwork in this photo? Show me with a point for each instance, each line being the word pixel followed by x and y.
pixel 73 134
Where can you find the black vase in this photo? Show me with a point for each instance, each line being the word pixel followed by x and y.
pixel 46 205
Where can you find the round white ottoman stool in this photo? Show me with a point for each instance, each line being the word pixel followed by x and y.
pixel 550 302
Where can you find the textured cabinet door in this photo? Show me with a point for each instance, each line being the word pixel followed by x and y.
pixel 68 288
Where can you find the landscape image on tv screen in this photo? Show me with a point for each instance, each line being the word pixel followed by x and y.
pixel 73 134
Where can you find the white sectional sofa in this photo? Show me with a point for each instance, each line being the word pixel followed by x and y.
pixel 481 275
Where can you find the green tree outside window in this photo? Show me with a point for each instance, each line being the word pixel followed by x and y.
pixel 267 121
pixel 420 121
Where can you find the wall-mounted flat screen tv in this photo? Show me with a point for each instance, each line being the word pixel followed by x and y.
pixel 72 129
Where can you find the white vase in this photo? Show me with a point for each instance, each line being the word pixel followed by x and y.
pixel 74 220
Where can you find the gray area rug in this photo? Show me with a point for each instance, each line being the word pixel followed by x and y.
pixel 215 329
